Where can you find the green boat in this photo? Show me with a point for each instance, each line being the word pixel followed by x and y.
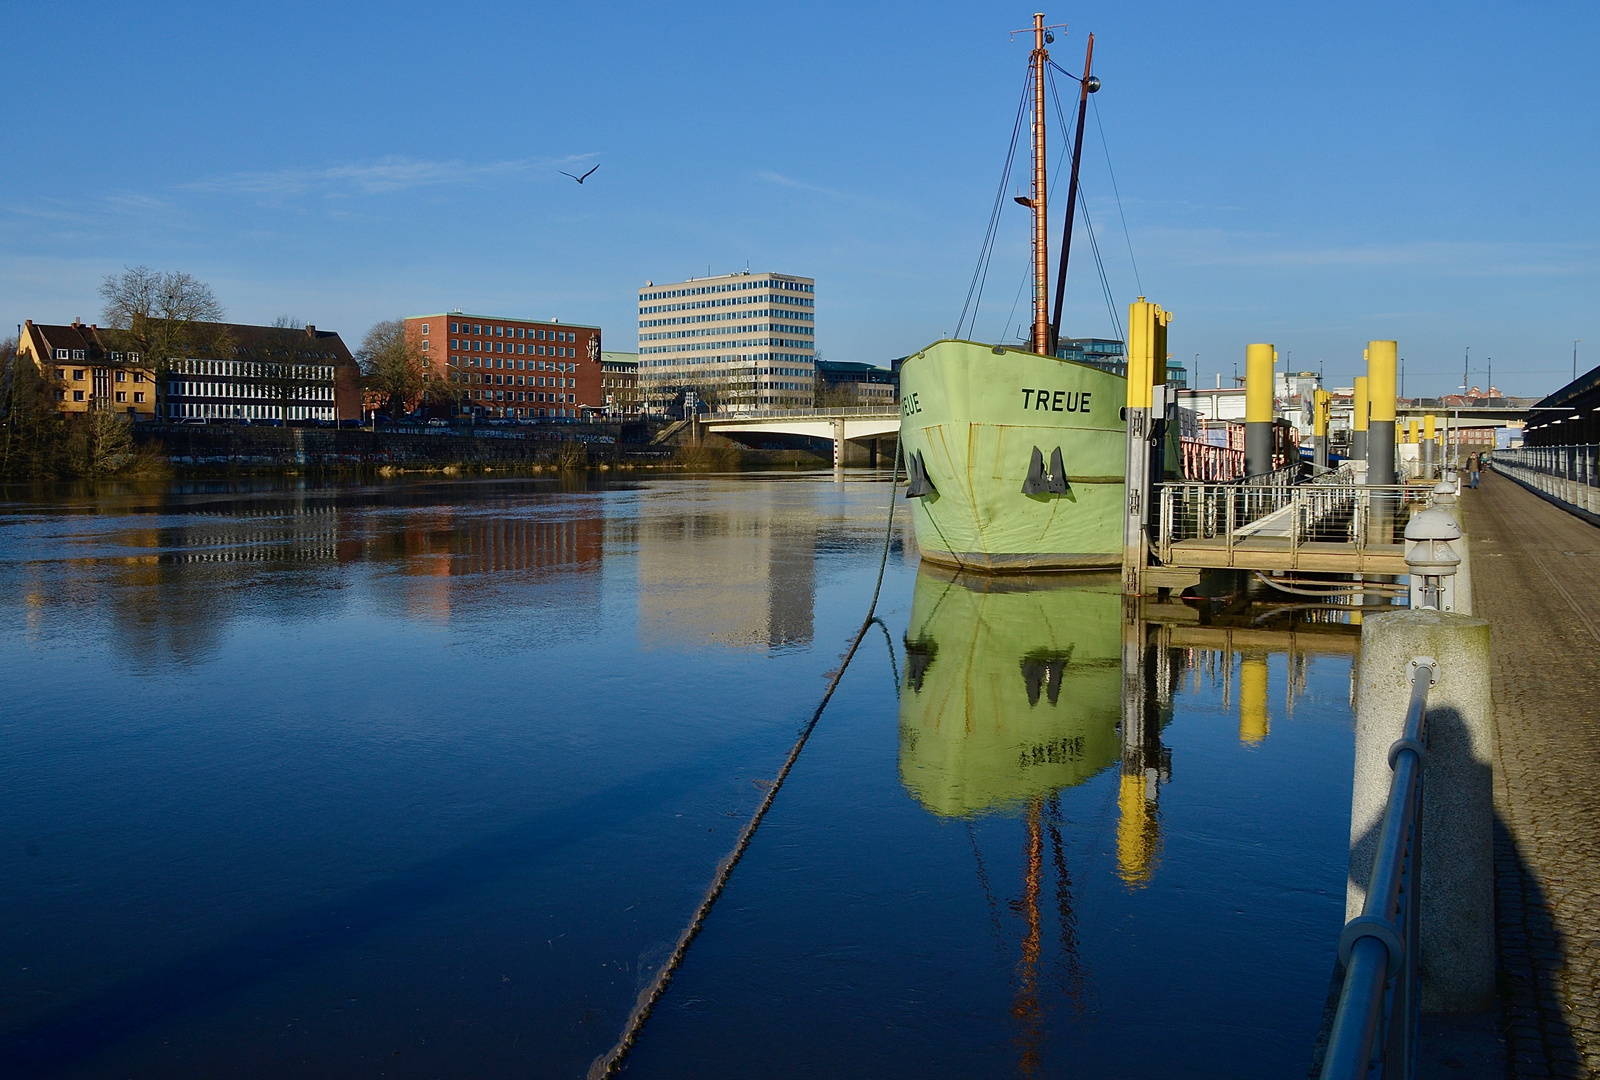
pixel 1016 458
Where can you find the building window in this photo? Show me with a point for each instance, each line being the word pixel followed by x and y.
pixel 78 354
pixel 424 328
pixel 77 395
pixel 122 395
pixel 138 397
pixel 455 328
pixel 77 374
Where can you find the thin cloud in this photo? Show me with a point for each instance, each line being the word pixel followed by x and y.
pixel 380 177
pixel 838 196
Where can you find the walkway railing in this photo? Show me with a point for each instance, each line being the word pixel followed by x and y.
pixel 1570 473
pixel 1375 1027
pixel 1317 512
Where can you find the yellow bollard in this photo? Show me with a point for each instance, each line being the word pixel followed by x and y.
pixel 1358 420
pixel 1258 408
pixel 1381 370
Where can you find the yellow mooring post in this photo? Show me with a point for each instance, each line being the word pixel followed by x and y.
pixel 1358 420
pixel 1258 408
pixel 1430 448
pixel 1320 408
pixel 1147 351
pixel 1382 366
pixel 1381 369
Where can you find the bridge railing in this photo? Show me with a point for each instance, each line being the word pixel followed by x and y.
pixel 1576 464
pixel 796 414
pixel 1375 1025
pixel 1317 512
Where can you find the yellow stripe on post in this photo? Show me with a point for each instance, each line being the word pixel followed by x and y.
pixel 1147 350
pixel 1411 430
pixel 1381 368
pixel 1361 407
pixel 1258 383
pixel 1319 413
pixel 1428 429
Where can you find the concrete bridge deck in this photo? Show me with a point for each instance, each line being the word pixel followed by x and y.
pixel 1537 581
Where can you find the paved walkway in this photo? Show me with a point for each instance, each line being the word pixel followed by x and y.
pixel 1536 577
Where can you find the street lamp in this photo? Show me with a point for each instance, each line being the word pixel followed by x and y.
pixel 1575 360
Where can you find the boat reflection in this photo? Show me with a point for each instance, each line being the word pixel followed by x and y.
pixel 1015 689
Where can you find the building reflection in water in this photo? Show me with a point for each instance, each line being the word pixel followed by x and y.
pixel 173 588
pixel 738 572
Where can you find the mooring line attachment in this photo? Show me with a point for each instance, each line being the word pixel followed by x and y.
pixel 610 1062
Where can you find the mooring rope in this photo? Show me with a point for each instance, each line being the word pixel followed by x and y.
pixel 608 1063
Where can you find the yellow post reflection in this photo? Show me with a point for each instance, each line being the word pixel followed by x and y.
pixel 1253 721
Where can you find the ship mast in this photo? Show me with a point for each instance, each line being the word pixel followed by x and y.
pixel 1041 220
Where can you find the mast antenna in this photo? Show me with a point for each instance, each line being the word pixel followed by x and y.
pixel 1040 57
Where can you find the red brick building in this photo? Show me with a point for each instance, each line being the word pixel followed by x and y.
pixel 519 369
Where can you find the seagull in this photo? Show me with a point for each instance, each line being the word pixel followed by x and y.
pixel 579 179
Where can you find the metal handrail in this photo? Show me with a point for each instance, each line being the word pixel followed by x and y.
pixel 1191 510
pixel 1376 1020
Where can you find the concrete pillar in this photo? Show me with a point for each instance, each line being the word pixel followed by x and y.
pixel 1458 960
pixel 838 444
pixel 1358 421
pixel 1258 409
pixel 1430 449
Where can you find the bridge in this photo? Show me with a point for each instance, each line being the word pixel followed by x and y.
pixel 859 424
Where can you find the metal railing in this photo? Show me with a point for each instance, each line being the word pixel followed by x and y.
pixel 784 414
pixel 1316 512
pixel 1374 1029
pixel 1576 464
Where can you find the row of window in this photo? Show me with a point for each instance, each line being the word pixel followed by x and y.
pixel 718 331
pixel 737 301
pixel 510 380
pixel 120 375
pixel 122 396
pixel 513 395
pixel 507 331
pixel 503 347
pixel 179 388
pixel 83 354
pixel 782 358
pixel 251 369
pixel 707 346
pixel 725 316
pixel 518 365
pixel 734 286
pixel 212 411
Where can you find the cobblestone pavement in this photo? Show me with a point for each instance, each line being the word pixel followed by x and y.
pixel 1536 578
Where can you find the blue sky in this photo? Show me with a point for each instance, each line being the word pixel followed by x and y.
pixel 1309 175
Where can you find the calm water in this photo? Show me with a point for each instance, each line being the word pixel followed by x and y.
pixel 423 779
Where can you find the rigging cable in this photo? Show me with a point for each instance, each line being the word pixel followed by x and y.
pixel 980 273
pixel 608 1063
pixel 1125 234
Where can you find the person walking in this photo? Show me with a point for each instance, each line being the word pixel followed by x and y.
pixel 1474 463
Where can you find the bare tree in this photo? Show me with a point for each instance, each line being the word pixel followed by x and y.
pixel 392 365
pixel 166 314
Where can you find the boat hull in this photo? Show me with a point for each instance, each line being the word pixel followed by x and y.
pixel 976 413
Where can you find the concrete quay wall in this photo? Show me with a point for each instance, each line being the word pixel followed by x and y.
pixel 228 445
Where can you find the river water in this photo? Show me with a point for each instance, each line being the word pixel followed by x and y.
pixel 423 779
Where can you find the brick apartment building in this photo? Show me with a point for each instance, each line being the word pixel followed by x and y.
pixel 517 369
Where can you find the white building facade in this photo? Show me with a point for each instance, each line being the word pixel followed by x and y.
pixel 737 342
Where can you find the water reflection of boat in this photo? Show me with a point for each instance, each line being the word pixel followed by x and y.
pixel 1012 688
pixel 1015 689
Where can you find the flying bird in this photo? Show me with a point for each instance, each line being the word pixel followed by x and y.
pixel 579 179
